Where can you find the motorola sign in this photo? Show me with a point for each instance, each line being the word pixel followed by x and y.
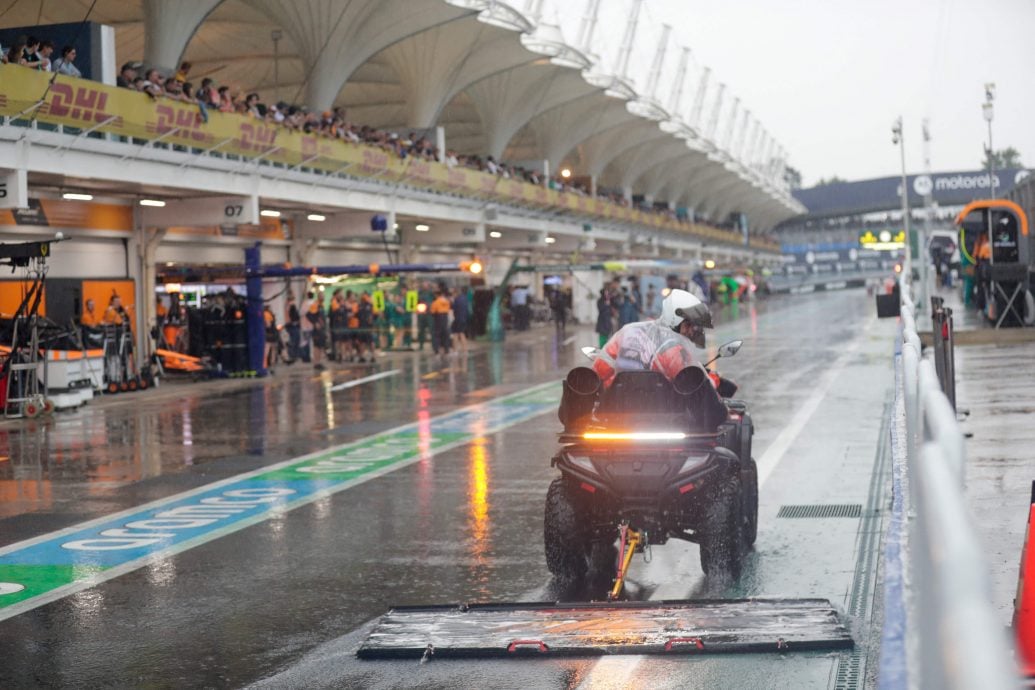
pixel 957 182
pixel 885 193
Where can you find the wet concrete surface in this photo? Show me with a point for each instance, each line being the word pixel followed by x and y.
pixel 994 388
pixel 995 370
pixel 288 599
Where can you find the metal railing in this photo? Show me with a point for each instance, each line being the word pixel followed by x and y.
pixel 950 637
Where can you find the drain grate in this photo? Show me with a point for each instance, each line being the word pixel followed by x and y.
pixel 843 510
pixel 849 668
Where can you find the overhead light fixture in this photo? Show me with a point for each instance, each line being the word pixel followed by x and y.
pixel 709 264
pixel 77 197
pixel 495 234
pixel 475 267
pixel 422 227
pixel 157 203
pixel 173 287
pixel 565 173
pixel 550 240
pixel 269 214
pixel 318 217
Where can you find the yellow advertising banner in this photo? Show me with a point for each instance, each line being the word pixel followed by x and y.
pixel 83 104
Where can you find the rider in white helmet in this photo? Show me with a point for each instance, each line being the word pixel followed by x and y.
pixel 662 345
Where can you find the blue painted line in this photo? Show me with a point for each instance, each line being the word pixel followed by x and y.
pixel 101 549
pixel 893 667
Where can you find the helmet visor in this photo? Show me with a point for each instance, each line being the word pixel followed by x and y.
pixel 699 315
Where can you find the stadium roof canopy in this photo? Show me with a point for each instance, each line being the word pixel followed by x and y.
pixel 504 78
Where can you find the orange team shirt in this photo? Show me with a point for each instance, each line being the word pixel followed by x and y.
pixel 982 249
pixel 440 305
pixel 89 319
pixel 111 316
pixel 352 308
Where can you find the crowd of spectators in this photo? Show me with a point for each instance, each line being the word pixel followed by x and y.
pixel 210 96
pixel 31 52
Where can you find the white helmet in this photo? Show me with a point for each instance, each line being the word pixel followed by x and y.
pixel 682 306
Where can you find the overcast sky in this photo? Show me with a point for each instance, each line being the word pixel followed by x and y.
pixel 828 77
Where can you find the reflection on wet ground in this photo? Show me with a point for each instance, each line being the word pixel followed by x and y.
pixel 208 431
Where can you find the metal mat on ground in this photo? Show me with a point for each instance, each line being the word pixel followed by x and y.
pixel 663 627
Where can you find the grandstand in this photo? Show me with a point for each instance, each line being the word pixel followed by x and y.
pixel 474 127
pixel 503 84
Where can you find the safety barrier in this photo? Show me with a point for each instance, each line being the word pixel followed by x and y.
pixel 84 107
pixel 940 628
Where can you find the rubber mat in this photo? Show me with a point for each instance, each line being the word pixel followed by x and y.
pixel 662 627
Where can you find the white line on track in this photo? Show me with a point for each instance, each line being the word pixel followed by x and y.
pixel 366 379
pixel 569 341
pixel 618 671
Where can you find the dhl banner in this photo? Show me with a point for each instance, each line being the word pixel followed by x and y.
pixel 82 103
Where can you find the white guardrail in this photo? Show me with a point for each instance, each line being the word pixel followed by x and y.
pixel 942 632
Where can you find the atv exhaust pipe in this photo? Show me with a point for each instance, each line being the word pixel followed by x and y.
pixel 581 388
pixel 702 400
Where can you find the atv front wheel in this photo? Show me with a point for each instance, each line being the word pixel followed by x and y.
pixel 722 539
pixel 563 534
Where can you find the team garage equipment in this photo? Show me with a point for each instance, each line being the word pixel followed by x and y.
pixel 1004 280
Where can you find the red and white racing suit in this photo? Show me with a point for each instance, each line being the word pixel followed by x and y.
pixel 644 346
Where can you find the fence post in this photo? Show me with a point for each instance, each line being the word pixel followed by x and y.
pixel 937 317
pixel 949 339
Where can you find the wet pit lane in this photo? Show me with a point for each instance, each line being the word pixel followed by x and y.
pixel 286 601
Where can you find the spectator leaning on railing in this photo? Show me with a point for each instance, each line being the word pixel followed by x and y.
pixel 63 65
pixel 128 74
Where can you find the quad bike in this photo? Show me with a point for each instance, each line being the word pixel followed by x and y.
pixel 647 460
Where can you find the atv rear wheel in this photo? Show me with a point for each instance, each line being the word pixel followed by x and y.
pixel 749 486
pixel 563 534
pixel 722 538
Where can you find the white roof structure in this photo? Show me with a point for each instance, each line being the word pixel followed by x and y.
pixel 506 78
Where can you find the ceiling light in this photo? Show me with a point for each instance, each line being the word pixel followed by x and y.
pixel 318 217
pixel 550 240
pixel 152 202
pixel 495 234
pixel 709 264
pixel 422 228
pixel 565 173
pixel 269 214
pixel 78 197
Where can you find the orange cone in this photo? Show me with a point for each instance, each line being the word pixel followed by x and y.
pixel 1024 604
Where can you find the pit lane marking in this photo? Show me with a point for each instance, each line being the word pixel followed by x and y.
pixel 366 379
pixel 55 565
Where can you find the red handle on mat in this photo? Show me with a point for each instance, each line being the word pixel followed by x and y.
pixel 525 643
pixel 695 641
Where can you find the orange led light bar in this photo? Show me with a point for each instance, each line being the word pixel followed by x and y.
pixel 634 436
